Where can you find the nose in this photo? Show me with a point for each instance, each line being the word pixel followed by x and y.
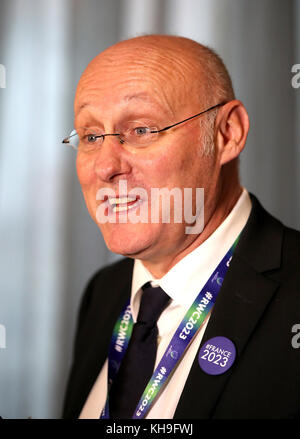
pixel 110 161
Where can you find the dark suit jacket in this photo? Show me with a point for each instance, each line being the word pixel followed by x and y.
pixel 257 306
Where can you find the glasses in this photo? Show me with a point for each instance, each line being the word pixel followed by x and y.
pixel 89 139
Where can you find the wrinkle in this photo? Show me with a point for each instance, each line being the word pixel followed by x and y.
pixel 168 66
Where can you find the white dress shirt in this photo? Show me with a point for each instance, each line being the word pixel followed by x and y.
pixel 182 283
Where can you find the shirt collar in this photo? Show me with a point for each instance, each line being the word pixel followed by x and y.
pixel 184 281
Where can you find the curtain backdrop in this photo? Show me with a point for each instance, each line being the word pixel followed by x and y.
pixel 49 245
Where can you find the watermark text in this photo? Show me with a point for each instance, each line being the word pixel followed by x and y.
pixel 296 338
pixel 2 337
pixel 2 76
pixel 295 81
pixel 155 205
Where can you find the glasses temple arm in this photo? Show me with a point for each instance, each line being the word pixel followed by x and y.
pixel 189 118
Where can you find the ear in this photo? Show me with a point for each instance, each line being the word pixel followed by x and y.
pixel 231 128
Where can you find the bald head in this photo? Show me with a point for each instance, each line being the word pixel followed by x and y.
pixel 186 65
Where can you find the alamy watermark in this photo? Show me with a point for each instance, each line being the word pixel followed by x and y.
pixel 160 205
pixel 2 337
pixel 2 76
pixel 295 81
pixel 296 338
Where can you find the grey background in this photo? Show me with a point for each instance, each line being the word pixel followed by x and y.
pixel 49 245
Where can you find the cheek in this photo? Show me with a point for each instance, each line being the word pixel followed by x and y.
pixel 175 165
pixel 85 170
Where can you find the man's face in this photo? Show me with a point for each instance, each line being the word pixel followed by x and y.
pixel 113 93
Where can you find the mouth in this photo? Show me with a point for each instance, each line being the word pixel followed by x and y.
pixel 124 203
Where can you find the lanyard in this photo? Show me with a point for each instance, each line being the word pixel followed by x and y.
pixel 183 336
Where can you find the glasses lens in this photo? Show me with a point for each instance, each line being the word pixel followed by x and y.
pixel 140 136
pixel 90 138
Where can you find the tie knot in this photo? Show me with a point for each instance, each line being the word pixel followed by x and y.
pixel 154 300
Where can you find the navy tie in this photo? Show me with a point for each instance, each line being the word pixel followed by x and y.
pixel 138 363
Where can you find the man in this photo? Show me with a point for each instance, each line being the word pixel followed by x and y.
pixel 160 112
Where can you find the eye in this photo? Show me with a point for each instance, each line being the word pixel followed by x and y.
pixel 136 135
pixel 141 131
pixel 91 138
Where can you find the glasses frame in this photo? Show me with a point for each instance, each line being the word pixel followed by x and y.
pixel 66 140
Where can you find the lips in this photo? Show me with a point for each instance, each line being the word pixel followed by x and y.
pixel 121 204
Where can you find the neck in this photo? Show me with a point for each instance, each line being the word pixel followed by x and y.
pixel 224 203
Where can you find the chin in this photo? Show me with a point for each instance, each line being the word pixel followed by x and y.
pixel 126 249
pixel 127 241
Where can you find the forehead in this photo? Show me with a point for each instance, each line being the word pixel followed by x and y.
pixel 120 91
pixel 135 79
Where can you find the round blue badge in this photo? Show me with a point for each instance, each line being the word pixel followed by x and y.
pixel 217 355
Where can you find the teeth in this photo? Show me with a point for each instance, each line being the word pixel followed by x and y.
pixel 122 208
pixel 121 200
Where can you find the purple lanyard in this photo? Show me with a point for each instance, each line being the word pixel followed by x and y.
pixel 183 336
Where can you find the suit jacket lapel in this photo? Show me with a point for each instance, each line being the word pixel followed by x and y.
pixel 244 295
pixel 109 295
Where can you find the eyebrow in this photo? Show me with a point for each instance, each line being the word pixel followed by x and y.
pixel 82 106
